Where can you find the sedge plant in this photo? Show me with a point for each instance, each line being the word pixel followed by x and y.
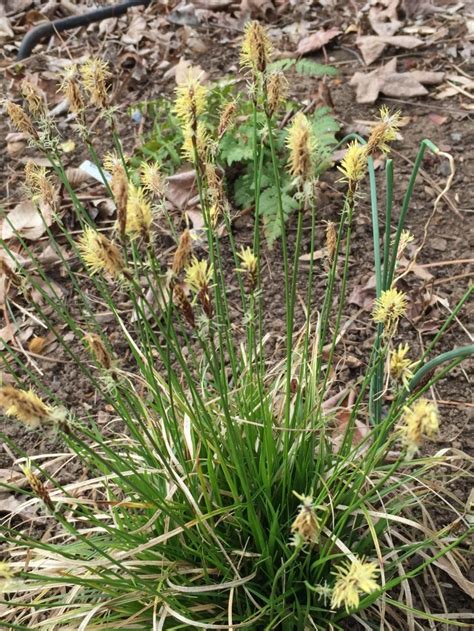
pixel 229 495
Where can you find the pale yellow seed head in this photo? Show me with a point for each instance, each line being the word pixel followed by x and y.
pixel 199 139
pixel 151 178
pixel 94 76
pixel 139 213
pixel 277 88
pixel 249 261
pixel 198 275
pixel 256 48
pixel 389 308
pixel 71 89
pixel 301 144
pixel 6 572
pixel 39 185
pixel 352 580
pixel 24 405
pixel 33 97
pixel 226 119
pixel 100 254
pixel 20 119
pixel 419 420
pixel 306 527
pixel 190 102
pixel 401 366
pixel 384 132
pixel 354 163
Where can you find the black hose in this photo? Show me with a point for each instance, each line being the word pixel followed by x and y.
pixel 47 29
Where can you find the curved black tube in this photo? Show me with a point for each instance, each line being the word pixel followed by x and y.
pixel 47 29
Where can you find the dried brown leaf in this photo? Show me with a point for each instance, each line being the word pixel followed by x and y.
pixel 316 41
pixel 388 81
pixel 372 46
pixel 27 220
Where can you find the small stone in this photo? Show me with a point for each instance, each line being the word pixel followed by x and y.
pixel 456 136
pixel 438 243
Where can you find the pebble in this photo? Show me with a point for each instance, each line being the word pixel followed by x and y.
pixel 438 243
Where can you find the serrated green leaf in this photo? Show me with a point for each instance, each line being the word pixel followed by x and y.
pixel 312 68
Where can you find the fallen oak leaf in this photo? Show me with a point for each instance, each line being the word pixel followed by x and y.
pixel 388 81
pixel 316 41
pixel 27 220
pixel 372 46
pixel 385 21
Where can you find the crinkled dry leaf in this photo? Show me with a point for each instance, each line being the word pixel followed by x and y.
pixel 27 220
pixel 372 46
pixel 181 189
pixel 316 41
pixel 383 17
pixel 257 8
pixel 184 70
pixel 388 81
pixel 136 30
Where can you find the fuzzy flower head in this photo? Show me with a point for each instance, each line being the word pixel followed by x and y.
pixel 196 143
pixel 100 254
pixel 151 178
pixel 389 308
pixel 226 118
pixel 70 87
pixel 39 185
pixel 98 350
pixel 35 100
pixel 256 48
pixel 384 132
pixel 37 486
pixel 354 163
pixel 353 579
pixel 419 420
pixel 301 144
pixel 198 275
pixel 401 366
pixel 25 405
pixel 20 119
pixel 94 76
pixel 306 526
pixel 277 88
pixel 405 239
pixel 139 213
pixel 249 266
pixel 190 102
pixel 331 240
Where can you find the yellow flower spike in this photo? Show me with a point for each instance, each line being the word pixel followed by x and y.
pixel 94 76
pixel 100 254
pixel 226 118
pixel 353 579
pixel 151 178
pixel 419 420
pixel 401 367
pixel 249 266
pixel 354 163
pixel 198 274
pixel 256 48
pixel 306 526
pixel 301 144
pixel 139 213
pixel 389 308
pixel 34 99
pixel 190 102
pixel 71 89
pixel 20 119
pixel 200 137
pixel 277 88
pixel 25 405
pixel 384 132
pixel 39 186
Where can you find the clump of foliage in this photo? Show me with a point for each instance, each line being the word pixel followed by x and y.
pixel 225 499
pixel 238 147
